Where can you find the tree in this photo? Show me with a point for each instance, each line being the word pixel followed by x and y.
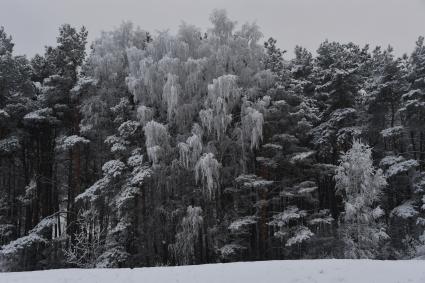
pixel 207 171
pixel 274 58
pixel 360 186
pixel 208 146
pixel 186 239
pixel 412 109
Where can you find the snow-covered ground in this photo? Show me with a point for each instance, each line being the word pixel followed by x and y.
pixel 320 271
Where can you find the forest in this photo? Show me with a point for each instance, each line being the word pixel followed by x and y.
pixel 154 149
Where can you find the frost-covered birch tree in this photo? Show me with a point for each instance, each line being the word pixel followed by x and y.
pixel 360 184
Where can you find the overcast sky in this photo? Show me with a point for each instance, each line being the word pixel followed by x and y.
pixel 34 23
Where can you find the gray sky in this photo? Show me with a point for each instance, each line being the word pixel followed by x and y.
pixel 34 23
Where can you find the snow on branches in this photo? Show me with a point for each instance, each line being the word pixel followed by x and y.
pixel 191 150
pixel 40 117
pixel 36 236
pixel 207 171
pixel 356 176
pixel 144 114
pixel 191 225
pixel 290 225
pixel 223 95
pixel 225 88
pixel 128 128
pixel 401 167
pixel 170 95
pixel 360 185
pixel 252 125
pixel 67 143
pixel 405 210
pixel 113 168
pixel 291 213
pixel 241 223
pixel 157 137
pixel 301 234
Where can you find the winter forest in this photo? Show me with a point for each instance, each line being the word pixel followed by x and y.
pixel 152 149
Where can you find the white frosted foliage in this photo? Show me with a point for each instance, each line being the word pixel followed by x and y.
pixel 157 137
pixel 170 95
pixel 207 119
pixel 223 95
pixel 191 150
pixel 252 124
pixel 113 168
pixel 361 185
pixel 207 171
pixel 144 114
pixel 191 225
pixel 301 234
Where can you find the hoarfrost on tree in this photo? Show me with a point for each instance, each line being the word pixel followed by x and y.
pixel 252 124
pixel 239 224
pixel 301 234
pixel 157 138
pixel 405 210
pixel 170 95
pixel 360 185
pixel 191 225
pixel 69 142
pixel 207 171
pixel 113 168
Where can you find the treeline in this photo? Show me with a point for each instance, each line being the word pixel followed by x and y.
pixel 208 146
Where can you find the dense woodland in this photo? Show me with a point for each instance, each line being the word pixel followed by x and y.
pixel 151 149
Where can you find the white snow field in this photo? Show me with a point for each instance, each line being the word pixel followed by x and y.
pixel 302 271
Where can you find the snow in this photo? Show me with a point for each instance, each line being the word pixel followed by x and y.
pixel 191 150
pixel 273 146
pixel 390 160
pixel 156 135
pixel 412 94
pixel 253 181
pixel 113 168
pixel 223 95
pixel 171 94
pixel 291 213
pixel 66 143
pixel 140 174
pixel 301 234
pixel 128 128
pixel 406 210
pixel 302 156
pixel 392 132
pixel 83 81
pixel 41 116
pixel 280 103
pixel 92 192
pixel 252 123
pixel 135 160
pixel 321 220
pixel 34 237
pixel 207 170
pixel 244 221
pixel 20 244
pixel 144 114
pixel 230 249
pixel 401 167
pixel 118 144
pixel 291 271
pixel 3 114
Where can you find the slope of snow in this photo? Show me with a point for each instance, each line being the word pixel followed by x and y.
pixel 305 271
